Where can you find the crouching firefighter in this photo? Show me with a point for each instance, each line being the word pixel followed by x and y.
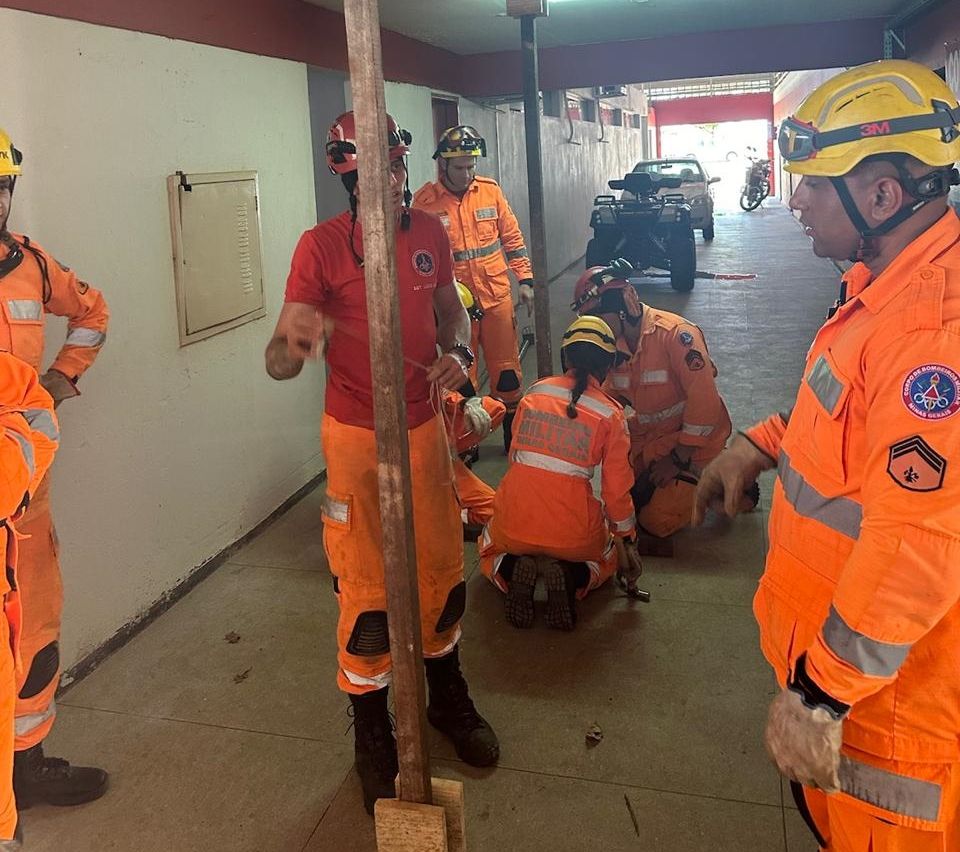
pixel 326 307
pixel 546 520
pixel 678 421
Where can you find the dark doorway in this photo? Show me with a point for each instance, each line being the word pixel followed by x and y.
pixel 446 114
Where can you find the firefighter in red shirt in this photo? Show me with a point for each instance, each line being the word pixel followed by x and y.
pixel 326 307
pixel 482 227
pixel 33 284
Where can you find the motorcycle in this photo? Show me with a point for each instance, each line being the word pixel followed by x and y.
pixel 756 186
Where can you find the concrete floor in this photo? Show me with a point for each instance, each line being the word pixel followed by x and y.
pixel 218 746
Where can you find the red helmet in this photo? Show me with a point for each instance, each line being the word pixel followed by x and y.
pixel 342 143
pixel 598 279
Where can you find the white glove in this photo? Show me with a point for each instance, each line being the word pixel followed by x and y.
pixel 804 742
pixel 526 297
pixel 476 417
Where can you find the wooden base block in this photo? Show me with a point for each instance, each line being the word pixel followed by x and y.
pixel 411 827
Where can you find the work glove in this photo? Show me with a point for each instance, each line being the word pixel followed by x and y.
pixel 526 294
pixel 476 418
pixel 621 268
pixel 58 386
pixel 804 741
pixel 725 480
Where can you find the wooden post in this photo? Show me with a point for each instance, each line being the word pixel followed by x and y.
pixel 538 226
pixel 389 404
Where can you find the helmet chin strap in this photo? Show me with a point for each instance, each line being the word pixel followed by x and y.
pixel 935 184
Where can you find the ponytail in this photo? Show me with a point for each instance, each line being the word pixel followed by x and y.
pixel 582 376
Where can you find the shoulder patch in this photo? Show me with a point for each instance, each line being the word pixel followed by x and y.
pixel 931 392
pixel 916 466
pixel 423 262
pixel 694 360
pixel 685 338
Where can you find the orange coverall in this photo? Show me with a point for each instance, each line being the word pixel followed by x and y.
pixel 27 446
pixel 670 384
pixel 473 494
pixel 863 570
pixel 41 285
pixel 481 227
pixel 544 505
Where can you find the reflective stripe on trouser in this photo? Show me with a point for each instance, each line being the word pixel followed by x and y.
pixel 473 494
pixel 599 554
pixel 496 337
pixel 8 807
pixel 352 539
pixel 669 509
pixel 41 596
pixel 849 824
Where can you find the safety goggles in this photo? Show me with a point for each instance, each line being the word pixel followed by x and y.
pixel 800 140
pixel 463 143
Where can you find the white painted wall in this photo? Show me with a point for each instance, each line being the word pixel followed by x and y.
pixel 170 454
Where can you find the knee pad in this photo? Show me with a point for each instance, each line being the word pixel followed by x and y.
pixel 508 381
pixel 454 608
pixel 43 669
pixel 369 637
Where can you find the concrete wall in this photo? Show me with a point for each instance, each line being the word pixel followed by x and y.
pixel 573 173
pixel 170 454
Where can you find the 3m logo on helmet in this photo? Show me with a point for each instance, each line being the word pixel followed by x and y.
pixel 875 128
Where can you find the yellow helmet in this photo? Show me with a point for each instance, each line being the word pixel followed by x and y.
pixel 590 329
pixel 460 141
pixel 466 297
pixel 888 107
pixel 10 157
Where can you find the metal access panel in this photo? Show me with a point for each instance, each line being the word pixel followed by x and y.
pixel 215 223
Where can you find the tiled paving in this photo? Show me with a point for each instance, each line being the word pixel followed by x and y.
pixel 216 746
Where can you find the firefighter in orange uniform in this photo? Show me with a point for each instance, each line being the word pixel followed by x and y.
pixel 546 520
pixel 32 284
pixel 858 606
pixel 326 305
pixel 27 446
pixel 470 419
pixel 482 227
pixel 678 421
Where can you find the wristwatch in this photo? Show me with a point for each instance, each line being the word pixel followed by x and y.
pixel 464 353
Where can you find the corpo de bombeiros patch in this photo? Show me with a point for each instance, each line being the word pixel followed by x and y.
pixel 930 392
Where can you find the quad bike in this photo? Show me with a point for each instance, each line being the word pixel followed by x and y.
pixel 756 186
pixel 646 228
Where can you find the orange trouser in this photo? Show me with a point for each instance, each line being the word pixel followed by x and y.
pixel 496 335
pixel 669 509
pixel 41 595
pixel 474 495
pixel 848 825
pixel 8 693
pixel 600 556
pixel 352 538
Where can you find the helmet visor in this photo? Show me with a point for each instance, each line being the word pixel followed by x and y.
pixel 799 141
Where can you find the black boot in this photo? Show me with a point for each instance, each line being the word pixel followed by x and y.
pixel 559 579
pixel 375 749
pixel 518 603
pixel 508 430
pixel 452 712
pixel 52 781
